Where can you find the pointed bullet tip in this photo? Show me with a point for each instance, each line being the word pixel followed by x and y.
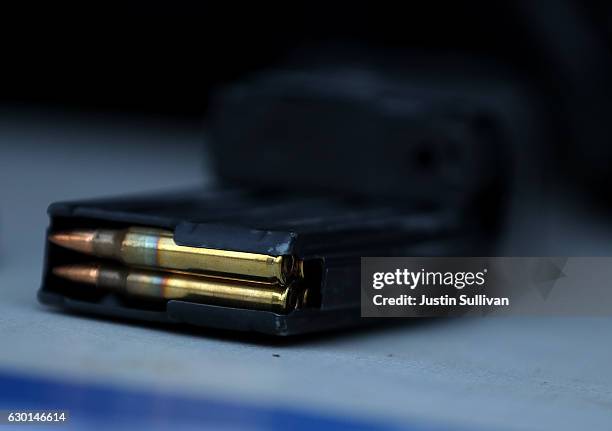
pixel 79 240
pixel 78 273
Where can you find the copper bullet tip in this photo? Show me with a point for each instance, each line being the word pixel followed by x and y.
pixel 78 240
pixel 78 273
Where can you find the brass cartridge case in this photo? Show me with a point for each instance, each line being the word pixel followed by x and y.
pixel 163 285
pixel 155 248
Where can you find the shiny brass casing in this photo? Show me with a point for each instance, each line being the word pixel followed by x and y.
pixel 155 248
pixel 167 285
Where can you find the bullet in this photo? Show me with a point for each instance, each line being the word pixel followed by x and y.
pixel 155 248
pixel 193 288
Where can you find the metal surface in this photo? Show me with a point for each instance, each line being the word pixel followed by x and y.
pixel 154 248
pixel 163 285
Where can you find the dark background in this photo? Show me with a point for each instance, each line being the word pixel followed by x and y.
pixel 164 59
